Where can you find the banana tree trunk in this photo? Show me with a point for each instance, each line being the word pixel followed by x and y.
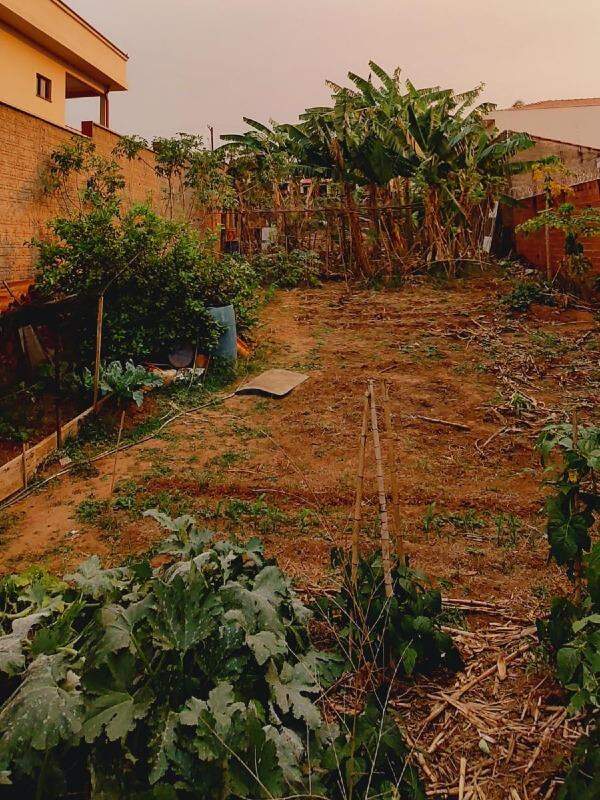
pixel 356 237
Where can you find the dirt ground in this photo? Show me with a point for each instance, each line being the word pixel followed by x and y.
pixel 470 499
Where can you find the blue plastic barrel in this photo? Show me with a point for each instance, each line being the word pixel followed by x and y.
pixel 226 346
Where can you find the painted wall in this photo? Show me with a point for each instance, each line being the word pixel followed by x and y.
pixel 579 125
pixel 26 143
pixel 20 61
pixel 60 30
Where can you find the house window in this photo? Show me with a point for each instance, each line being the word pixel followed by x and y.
pixel 44 88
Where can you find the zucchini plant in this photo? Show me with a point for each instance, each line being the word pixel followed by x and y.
pixel 193 680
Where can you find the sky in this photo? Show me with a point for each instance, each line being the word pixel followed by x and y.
pixel 195 63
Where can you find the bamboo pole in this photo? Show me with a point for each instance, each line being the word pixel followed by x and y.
pixel 393 469
pixel 360 479
pixel 24 463
pixel 385 534
pixel 114 472
pixel 99 319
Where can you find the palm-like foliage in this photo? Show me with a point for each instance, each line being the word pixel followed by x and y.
pixel 429 150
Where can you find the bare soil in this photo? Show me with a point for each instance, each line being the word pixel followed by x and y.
pixel 284 470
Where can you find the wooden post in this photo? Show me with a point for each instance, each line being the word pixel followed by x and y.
pixel 114 472
pixel 392 466
pixel 360 479
pixel 98 349
pixel 578 567
pixel 385 534
pixel 547 239
pixel 57 394
pixel 24 464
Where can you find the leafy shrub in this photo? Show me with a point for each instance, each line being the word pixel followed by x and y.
pixel 191 680
pixel 524 293
pixel 572 506
pixel 372 754
pixel 582 781
pixel 288 270
pixel 161 277
pixel 158 275
pixel 124 382
pixel 402 630
pixel 573 628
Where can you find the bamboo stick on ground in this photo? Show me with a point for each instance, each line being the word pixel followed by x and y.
pixel 385 534
pixel 461 780
pixel 360 479
pixel 393 468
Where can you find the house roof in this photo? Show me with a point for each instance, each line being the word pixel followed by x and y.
pixel 63 33
pixel 573 103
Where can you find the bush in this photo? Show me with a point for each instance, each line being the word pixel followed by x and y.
pixel 402 631
pixel 161 277
pixel 524 293
pixel 288 270
pixel 194 680
pixel 157 274
pixel 582 781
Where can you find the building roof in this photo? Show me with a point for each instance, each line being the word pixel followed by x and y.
pixel 68 10
pixel 54 26
pixel 573 103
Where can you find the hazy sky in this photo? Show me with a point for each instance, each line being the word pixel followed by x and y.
pixel 194 62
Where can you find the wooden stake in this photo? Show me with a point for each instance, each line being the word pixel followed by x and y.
pixel 24 464
pixel 114 472
pixel 98 348
pixel 360 479
pixel 393 468
pixel 385 534
pixel 57 394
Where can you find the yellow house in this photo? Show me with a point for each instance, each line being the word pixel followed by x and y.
pixel 49 54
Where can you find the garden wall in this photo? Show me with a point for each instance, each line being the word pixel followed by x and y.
pixel 26 143
pixel 582 164
pixel 532 248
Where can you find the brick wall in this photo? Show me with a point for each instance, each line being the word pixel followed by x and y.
pixel 26 143
pixel 532 248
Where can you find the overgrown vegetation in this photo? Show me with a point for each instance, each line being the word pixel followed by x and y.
pixel 288 270
pixel 408 173
pixel 572 630
pixel 402 632
pixel 158 274
pixel 195 679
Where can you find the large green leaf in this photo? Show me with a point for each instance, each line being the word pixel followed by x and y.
pixel 292 689
pixel 44 711
pixel 184 613
pixel 12 656
pixel 163 746
pixel 115 713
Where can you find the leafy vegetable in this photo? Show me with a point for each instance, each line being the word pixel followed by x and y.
pixel 195 679
pixel 124 382
pixel 402 631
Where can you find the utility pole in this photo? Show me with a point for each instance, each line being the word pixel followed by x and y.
pixel 212 136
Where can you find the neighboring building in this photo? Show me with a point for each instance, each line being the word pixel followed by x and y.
pixel 573 121
pixel 581 164
pixel 49 54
